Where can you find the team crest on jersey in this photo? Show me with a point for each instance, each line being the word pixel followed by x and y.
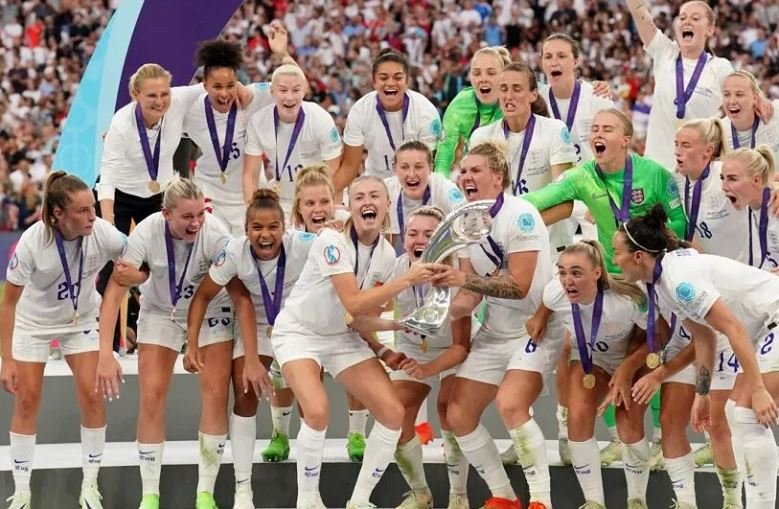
pixel 565 135
pixel 436 129
pixel 637 196
pixel 14 262
pixel 220 258
pixel 332 254
pixel 685 292
pixel 263 87
pixel 334 135
pixel 455 195
pixel 306 236
pixel 526 222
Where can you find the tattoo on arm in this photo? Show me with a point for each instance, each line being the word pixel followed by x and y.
pixel 500 286
pixel 703 383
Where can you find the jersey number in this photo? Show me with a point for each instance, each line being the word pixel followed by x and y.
pixel 731 362
pixel 213 322
pixel 768 344
pixel 703 230
pixel 62 290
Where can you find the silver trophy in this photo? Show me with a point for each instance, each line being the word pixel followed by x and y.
pixel 469 224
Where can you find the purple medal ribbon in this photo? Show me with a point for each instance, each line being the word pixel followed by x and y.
pixel 272 306
pixel 73 290
pixel 385 123
pixel 152 160
pixel 173 287
pixel 292 140
pixel 353 234
pixel 621 214
pixel 692 210
pixel 683 95
pixel 581 339
pixel 762 229
pixel 425 201
pixel 651 304
pixel 577 90
pixel 496 257
pixel 223 155
pixel 529 128
pixel 734 134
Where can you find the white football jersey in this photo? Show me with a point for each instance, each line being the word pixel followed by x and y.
pixel 766 134
pixel 207 172
pixel 314 303
pixel 551 145
pixel 719 225
pixel 318 141
pixel 364 128
pixel 705 101
pixel 45 304
pixel 691 283
pixel 147 246
pixel 236 260
pixel 444 194
pixel 752 241
pixel 516 228
pixel 619 315
pixel 589 105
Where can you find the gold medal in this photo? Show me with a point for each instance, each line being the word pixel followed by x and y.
pixel 423 345
pixel 349 319
pixel 269 330
pixel 652 360
pixel 154 186
pixel 223 177
pixel 588 381
pixel 75 318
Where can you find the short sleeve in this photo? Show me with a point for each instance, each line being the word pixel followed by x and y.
pixel 330 145
pixel 260 97
pixel 354 132
pixel 693 294
pixel 253 142
pixel 112 159
pixel 22 265
pixel 661 48
pixel 225 265
pixel 525 232
pixel 331 254
pixel 115 242
pixel 135 254
pixel 453 197
pixel 430 128
pixel 480 135
pixel 554 297
pixel 562 150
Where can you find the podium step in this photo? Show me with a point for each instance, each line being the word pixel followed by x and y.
pixel 57 478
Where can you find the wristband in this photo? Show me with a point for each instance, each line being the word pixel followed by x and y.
pixel 382 351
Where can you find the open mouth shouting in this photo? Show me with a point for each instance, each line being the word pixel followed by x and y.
pixel 369 215
pixel 572 292
pixel 734 110
pixel 555 73
pixel 485 89
pixel 417 252
pixel 391 92
pixel 599 146
pixel 265 247
pixel 319 218
pixel 687 34
pixel 470 190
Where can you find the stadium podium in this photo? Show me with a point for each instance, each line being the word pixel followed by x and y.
pixel 57 476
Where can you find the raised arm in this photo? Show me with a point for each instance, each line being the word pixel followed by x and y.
pixel 643 19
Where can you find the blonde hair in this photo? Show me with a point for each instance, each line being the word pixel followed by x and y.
pixel 627 125
pixel 310 176
pixel 57 193
pixel 427 211
pixel 757 161
pixel 178 189
pixel 495 152
pixel 753 84
pixel 147 72
pixel 710 15
pixel 594 252
pixel 365 178
pixel 712 131
pixel 501 53
pixel 287 70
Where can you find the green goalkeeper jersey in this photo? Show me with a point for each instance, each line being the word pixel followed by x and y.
pixel 651 184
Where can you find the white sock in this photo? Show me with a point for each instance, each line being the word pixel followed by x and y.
pixel 281 415
pixel 150 458
pixel 92 447
pixel 422 414
pixel 562 422
pixel 409 459
pixel 243 435
pixel 310 446
pixel 530 445
pixel 759 448
pixel 480 450
pixel 730 480
pixel 613 434
pixel 681 471
pixel 211 449
pixel 358 419
pixel 379 449
pixel 22 449
pixel 657 434
pixel 635 458
pixel 735 442
pixel 585 457
pixel 456 464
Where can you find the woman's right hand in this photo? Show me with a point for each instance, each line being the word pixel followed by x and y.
pixel 256 377
pixel 8 376
pixel 419 273
pixel 536 327
pixel 193 361
pixel 108 377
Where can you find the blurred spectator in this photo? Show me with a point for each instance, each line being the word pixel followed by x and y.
pixel 47 44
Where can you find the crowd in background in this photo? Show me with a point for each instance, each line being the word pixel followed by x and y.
pixel 47 44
